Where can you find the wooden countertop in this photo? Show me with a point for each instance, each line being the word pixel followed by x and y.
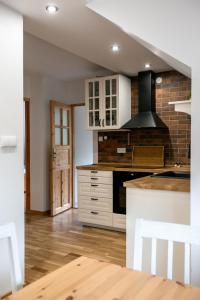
pixel 178 185
pixel 127 167
pixel 86 278
pixel 168 184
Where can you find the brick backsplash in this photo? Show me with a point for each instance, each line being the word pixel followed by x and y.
pixel 176 139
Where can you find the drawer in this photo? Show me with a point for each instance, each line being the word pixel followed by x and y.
pixel 119 221
pixel 95 173
pixel 96 190
pixel 95 217
pixel 96 203
pixel 95 179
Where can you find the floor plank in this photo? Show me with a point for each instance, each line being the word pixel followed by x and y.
pixel 53 242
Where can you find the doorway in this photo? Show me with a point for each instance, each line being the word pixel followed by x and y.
pixel 26 154
pixel 61 157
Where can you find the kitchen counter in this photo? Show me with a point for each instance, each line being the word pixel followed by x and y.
pixel 168 184
pixel 126 167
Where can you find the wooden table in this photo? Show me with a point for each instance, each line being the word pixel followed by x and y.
pixel 86 278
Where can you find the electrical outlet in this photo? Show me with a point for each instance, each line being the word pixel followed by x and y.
pixel 121 150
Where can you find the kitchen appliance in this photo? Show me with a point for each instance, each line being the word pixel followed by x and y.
pixel 119 191
pixel 146 117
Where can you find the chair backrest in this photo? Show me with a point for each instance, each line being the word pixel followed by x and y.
pixel 164 231
pixel 8 233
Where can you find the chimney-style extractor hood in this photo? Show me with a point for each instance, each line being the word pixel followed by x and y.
pixel 146 117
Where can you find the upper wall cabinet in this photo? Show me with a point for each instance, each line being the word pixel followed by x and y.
pixel 108 102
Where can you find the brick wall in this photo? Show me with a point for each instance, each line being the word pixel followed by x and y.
pixel 174 87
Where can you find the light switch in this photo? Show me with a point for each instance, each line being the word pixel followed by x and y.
pixel 8 141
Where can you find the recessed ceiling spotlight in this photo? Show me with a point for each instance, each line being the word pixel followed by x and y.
pixel 147 66
pixel 115 48
pixel 52 9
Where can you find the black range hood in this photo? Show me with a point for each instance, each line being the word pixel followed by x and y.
pixel 146 117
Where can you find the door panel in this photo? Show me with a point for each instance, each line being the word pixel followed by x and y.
pixel 93 90
pixel 61 157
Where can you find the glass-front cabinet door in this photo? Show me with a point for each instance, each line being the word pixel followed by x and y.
pixel 110 105
pixel 93 93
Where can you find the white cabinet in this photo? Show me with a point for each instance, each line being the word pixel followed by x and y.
pixel 95 200
pixel 108 102
pixel 95 190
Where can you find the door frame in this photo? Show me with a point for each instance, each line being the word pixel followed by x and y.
pixel 72 143
pixel 27 153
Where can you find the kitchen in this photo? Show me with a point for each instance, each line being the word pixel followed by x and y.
pixel 149 155
pixel 141 146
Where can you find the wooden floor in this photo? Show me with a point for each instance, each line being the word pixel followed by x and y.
pixel 53 242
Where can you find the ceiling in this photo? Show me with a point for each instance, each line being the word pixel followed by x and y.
pixel 46 59
pixel 77 29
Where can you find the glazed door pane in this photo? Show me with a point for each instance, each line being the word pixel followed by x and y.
pixel 94 104
pixel 57 117
pixel 57 137
pixel 65 118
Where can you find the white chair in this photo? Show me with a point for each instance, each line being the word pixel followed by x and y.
pixel 8 232
pixel 164 231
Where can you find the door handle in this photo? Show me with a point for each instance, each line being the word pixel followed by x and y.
pixel 94 178
pixel 94 212
pixel 94 199
pixel 94 172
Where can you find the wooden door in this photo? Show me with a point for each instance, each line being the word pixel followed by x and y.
pixel 61 157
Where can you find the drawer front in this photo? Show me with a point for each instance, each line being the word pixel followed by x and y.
pixel 95 173
pixel 119 221
pixel 95 179
pixel 96 203
pixel 96 190
pixel 95 217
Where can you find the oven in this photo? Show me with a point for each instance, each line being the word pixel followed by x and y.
pixel 119 191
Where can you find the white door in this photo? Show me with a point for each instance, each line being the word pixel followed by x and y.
pixel 83 145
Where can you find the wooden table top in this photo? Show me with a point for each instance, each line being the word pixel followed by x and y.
pixel 86 278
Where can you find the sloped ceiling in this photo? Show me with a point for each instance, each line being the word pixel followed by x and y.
pixel 77 29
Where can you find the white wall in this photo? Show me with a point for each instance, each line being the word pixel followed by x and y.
pixel 83 146
pixel 11 123
pixel 171 30
pixel 41 89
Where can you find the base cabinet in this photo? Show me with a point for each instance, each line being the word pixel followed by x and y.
pixel 95 217
pixel 95 200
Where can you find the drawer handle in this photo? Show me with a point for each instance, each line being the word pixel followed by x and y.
pixel 94 172
pixel 94 178
pixel 94 199
pixel 94 212
pixel 94 185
